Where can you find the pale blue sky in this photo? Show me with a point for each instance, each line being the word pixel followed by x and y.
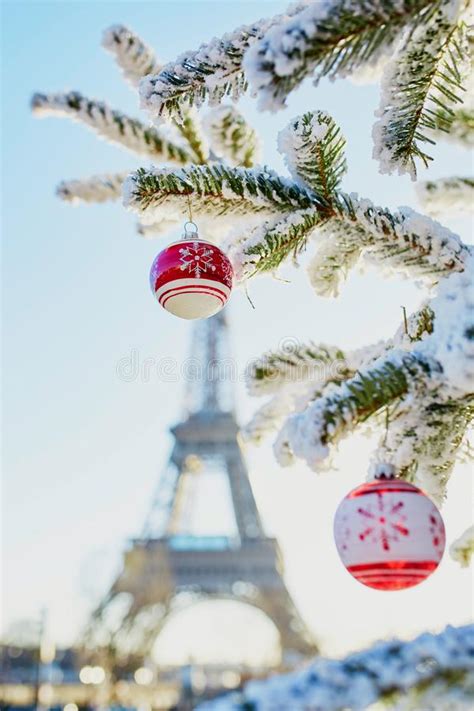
pixel 83 449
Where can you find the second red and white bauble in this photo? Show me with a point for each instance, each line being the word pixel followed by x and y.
pixel 192 278
pixel 389 534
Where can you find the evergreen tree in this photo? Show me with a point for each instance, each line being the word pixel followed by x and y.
pixel 418 386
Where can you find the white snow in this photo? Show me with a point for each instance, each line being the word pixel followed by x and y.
pixel 462 549
pixel 453 196
pixel 106 122
pixel 133 56
pixel 230 136
pixel 98 188
pixel 359 680
pixel 421 59
pixel 208 73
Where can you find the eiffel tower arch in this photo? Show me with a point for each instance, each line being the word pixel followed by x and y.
pixel 169 565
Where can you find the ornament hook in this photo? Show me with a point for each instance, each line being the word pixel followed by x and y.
pixel 190 228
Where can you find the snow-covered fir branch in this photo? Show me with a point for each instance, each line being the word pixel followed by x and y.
pixel 191 130
pixel 98 188
pixel 418 385
pixel 270 416
pixel 392 672
pixel 403 241
pixel 333 37
pixel 267 245
pixel 110 124
pixel 446 195
pixel 132 55
pixel 423 437
pixel 297 373
pixel 212 190
pixel 338 248
pixel 308 435
pixel 295 362
pixel 462 128
pixel 207 74
pixel 345 227
pixel 462 549
pixel 136 60
pixel 420 90
pixel 313 148
pixel 156 229
pixel 231 136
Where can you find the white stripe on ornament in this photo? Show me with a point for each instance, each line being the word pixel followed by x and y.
pixel 198 284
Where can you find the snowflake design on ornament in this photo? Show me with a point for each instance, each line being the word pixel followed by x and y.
pixel 197 259
pixel 227 272
pixel 437 532
pixel 385 522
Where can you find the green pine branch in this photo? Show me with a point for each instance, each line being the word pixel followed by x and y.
pixel 342 407
pixel 110 124
pixel 446 195
pixel 366 393
pixel 462 128
pixel 214 190
pixel 422 89
pixel 190 130
pixel 402 240
pixel 296 362
pixel 462 550
pixel 314 152
pixel 134 57
pixel 231 136
pixel 210 73
pixel 136 60
pixel 338 248
pixel 333 40
pixel 270 244
pixel 97 189
pixel 428 460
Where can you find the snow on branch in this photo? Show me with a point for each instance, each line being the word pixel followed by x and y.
pixel 98 188
pixel 333 37
pixel 419 385
pixel 270 416
pixel 270 243
pixel 231 136
pixel 339 247
pixel 110 124
pixel 446 195
pixel 462 549
pixel 212 190
pixel 422 441
pixel 132 55
pixel 420 90
pixel 137 60
pixel 393 671
pixel 401 241
pixel 308 435
pixel 424 435
pixel 313 148
pixel 294 362
pixel 191 130
pixel 207 74
pixel 462 128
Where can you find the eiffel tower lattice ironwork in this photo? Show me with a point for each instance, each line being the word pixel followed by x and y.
pixel 169 561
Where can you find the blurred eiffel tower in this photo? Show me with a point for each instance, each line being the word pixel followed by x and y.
pixel 170 562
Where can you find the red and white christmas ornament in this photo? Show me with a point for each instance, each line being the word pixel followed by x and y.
pixel 192 278
pixel 389 534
